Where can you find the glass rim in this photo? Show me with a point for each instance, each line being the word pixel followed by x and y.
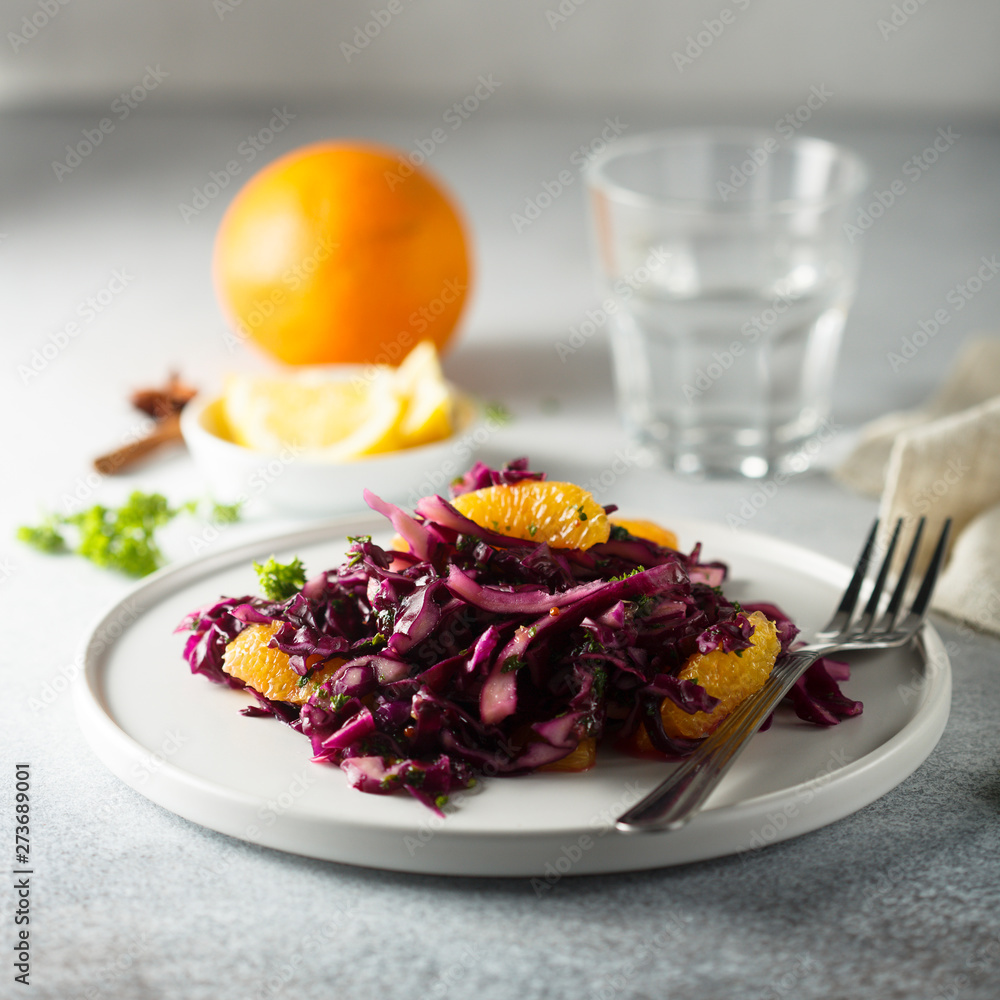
pixel 597 179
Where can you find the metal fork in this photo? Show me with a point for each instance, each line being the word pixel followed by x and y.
pixel 679 797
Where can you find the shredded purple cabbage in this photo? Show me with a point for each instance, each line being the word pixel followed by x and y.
pixel 481 475
pixel 476 654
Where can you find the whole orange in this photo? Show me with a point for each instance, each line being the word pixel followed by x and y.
pixel 342 252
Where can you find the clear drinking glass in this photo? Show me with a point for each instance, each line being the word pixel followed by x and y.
pixel 727 278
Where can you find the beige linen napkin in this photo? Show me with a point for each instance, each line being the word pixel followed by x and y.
pixel 939 463
pixel 974 378
pixel 969 589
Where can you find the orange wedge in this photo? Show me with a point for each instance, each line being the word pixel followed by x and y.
pixel 730 677
pixel 562 514
pixel 249 658
pixel 648 530
pixel 582 758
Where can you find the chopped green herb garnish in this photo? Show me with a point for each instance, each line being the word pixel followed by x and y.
pixel 600 681
pixel 498 414
pixel 511 664
pixel 644 603
pixel 625 576
pixel 581 512
pixel 589 645
pixel 121 538
pixel 279 581
pixel 618 534
pixel 226 513
pixel 532 529
pixel 358 556
pixel 45 538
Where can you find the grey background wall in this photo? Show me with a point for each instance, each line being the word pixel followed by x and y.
pixel 880 57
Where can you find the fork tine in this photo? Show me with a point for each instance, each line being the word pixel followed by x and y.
pixel 871 608
pixel 892 612
pixel 842 616
pixel 923 598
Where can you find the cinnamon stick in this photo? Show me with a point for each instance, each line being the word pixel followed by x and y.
pixel 166 431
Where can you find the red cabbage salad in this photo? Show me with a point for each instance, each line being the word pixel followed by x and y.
pixel 465 653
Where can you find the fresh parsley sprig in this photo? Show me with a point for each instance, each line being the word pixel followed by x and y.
pixel 279 581
pixel 120 538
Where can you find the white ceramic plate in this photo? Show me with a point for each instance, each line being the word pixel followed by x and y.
pixel 180 740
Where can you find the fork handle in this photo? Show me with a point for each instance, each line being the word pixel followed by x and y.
pixel 672 803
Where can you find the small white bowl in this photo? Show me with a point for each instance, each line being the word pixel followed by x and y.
pixel 291 484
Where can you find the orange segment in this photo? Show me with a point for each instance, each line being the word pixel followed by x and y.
pixel 562 514
pixel 730 677
pixel 725 676
pixel 649 530
pixel 581 759
pixel 249 658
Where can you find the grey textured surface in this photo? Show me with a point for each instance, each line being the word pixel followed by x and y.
pixel 898 901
